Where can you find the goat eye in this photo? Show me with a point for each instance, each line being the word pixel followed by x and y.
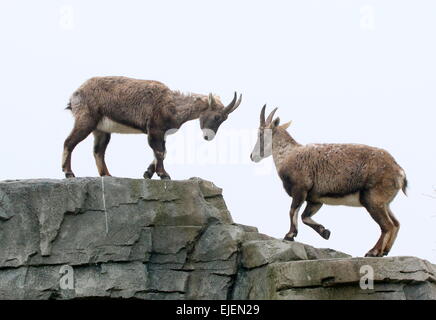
pixel 217 117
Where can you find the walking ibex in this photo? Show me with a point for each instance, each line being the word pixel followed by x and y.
pixel 105 105
pixel 333 174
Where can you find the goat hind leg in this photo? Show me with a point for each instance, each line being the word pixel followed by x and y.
pixel 307 215
pixel 80 131
pixel 381 216
pixel 394 234
pixel 101 140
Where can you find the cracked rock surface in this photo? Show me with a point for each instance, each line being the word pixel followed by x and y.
pixel 152 239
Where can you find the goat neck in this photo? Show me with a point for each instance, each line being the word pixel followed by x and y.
pixel 282 145
pixel 189 107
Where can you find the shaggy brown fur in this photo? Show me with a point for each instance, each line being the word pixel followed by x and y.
pixel 340 174
pixel 104 105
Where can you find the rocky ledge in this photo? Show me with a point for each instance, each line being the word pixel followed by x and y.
pixel 150 239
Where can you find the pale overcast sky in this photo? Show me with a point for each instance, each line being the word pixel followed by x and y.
pixel 343 71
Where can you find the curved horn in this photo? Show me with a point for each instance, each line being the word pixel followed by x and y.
pixel 262 116
pixel 236 104
pixel 231 105
pixel 270 117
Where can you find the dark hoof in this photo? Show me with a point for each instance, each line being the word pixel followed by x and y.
pixel 290 236
pixel 325 234
pixel 385 253
pixel 165 178
pixel 372 255
pixel 69 175
pixel 147 175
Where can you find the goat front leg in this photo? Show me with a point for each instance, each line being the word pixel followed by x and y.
pixel 157 143
pixel 307 215
pixel 297 202
pixel 150 170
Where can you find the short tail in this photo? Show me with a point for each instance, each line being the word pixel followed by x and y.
pixel 68 106
pixel 404 188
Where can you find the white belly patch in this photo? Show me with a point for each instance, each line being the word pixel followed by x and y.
pixel 110 126
pixel 351 200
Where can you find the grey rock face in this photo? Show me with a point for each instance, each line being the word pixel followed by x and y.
pixel 394 278
pixel 150 239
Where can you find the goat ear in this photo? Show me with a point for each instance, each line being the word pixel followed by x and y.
pixel 211 100
pixel 275 123
pixel 286 125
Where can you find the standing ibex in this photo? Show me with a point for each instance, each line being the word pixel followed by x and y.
pixel 105 105
pixel 333 174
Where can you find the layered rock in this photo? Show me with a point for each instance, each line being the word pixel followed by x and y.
pixel 149 239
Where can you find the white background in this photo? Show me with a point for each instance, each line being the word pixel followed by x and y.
pixel 343 71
